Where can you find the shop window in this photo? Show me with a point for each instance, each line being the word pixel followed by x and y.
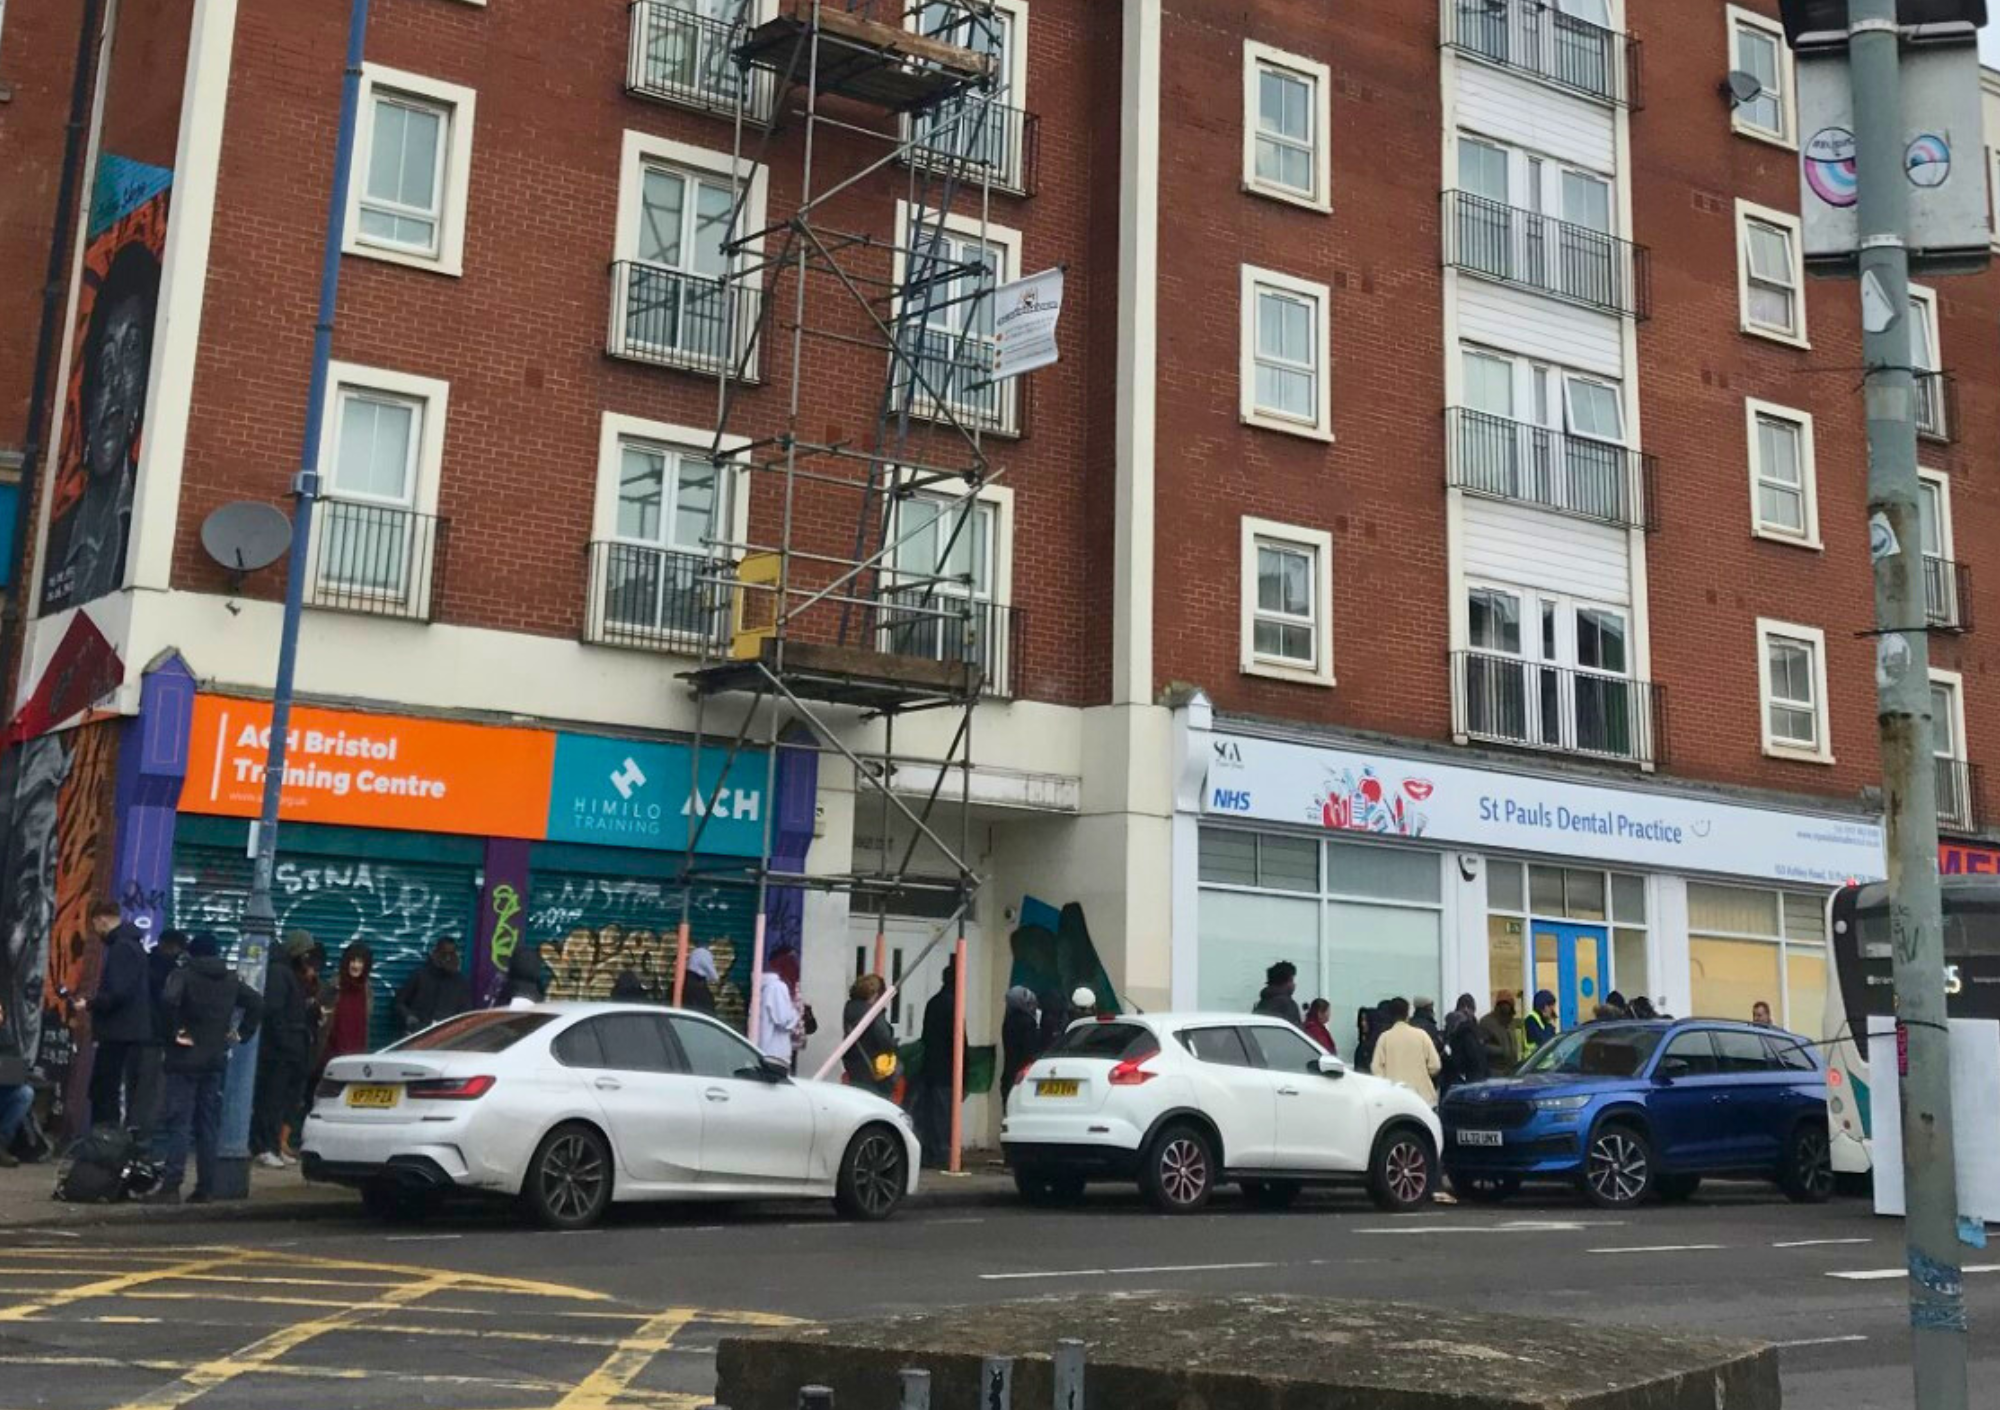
pixel 1241 934
pixel 1231 858
pixel 1506 957
pixel 1378 872
pixel 1566 893
pixel 1749 945
pixel 1628 961
pixel 1503 886
pixel 1628 899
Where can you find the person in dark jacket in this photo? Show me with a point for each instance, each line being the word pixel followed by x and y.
pixel 698 986
pixel 437 991
pixel 284 1057
pixel 629 988
pixel 931 1107
pixel 148 1081
pixel 1020 1038
pixel 1465 1051
pixel 1364 1038
pixel 17 1093
pixel 1280 980
pixel 1057 1015
pixel 527 979
pixel 121 1013
pixel 1542 1025
pixel 203 999
pixel 1423 1016
pixel 871 1062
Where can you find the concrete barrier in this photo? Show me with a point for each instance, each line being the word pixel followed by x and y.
pixel 1253 1353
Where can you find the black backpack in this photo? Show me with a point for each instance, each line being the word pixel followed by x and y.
pixel 104 1167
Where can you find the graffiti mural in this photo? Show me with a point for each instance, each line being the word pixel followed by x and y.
pixel 31 781
pixel 83 869
pixel 590 928
pixel 104 411
pixel 1055 956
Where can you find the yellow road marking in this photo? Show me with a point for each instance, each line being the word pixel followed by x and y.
pixel 105 1287
pixel 468 1282
pixel 634 1354
pixel 326 1373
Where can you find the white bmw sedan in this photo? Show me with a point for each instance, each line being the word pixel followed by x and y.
pixel 567 1107
pixel 1182 1103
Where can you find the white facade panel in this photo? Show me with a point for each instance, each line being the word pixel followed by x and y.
pixel 1526 114
pixel 1512 543
pixel 1540 327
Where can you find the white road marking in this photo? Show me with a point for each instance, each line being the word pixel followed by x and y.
pixel 421 1238
pixel 1877 1275
pixel 1115 1272
pixel 1818 1243
pixel 1822 1341
pixel 943 1222
pixel 1514 1226
pixel 1659 1248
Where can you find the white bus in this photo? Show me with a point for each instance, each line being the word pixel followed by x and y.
pixel 1863 986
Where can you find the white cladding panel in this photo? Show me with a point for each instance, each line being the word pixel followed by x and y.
pixel 1537 326
pixel 1527 114
pixel 1512 543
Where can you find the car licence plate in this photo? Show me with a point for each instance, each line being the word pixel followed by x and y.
pixel 1065 1087
pixel 373 1096
pixel 1479 1138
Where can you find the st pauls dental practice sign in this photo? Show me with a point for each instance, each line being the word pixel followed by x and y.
pixel 1382 795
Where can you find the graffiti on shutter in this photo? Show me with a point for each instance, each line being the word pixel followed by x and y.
pixel 591 928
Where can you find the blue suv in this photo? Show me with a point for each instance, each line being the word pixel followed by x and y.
pixel 1626 1110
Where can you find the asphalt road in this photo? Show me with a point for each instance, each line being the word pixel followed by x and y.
pixel 473 1312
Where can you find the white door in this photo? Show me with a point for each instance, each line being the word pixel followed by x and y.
pixel 755 1131
pixel 652 1112
pixel 1321 1124
pixel 1235 1093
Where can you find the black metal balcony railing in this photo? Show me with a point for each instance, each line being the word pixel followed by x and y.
pixel 1512 460
pixel 947 372
pixel 1549 256
pixel 376 559
pixel 1535 37
pixel 661 599
pixel 1506 700
pixel 1961 788
pixel 678 56
pixel 979 139
pixel 942 626
pixel 677 319
pixel 1947 595
pixel 1936 405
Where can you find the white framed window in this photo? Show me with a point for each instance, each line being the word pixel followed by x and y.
pixel 1957 807
pixel 412 170
pixel 381 456
pixel 1791 674
pixel 1927 363
pixel 1943 606
pixel 1748 946
pixel 677 298
pixel 1287 108
pixel 947 372
pixel 1287 593
pixel 1770 274
pixel 986 127
pixel 950 575
pixel 1757 47
pixel 668 516
pixel 1284 371
pixel 1551 671
pixel 1784 502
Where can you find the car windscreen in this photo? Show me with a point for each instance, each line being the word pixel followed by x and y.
pixel 1109 1041
pixel 490 1032
pixel 1597 1052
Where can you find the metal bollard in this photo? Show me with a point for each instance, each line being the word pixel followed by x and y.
pixel 916 1390
pixel 815 1398
pixel 996 1383
pixel 1068 1371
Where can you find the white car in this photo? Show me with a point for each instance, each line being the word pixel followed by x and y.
pixel 570 1106
pixel 1185 1102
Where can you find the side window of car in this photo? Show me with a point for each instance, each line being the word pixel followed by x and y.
pixel 1690 1054
pixel 1222 1046
pixel 633 1042
pixel 712 1051
pixel 578 1046
pixel 1285 1050
pixel 1790 1054
pixel 1742 1053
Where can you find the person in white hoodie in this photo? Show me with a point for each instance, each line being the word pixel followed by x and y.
pixel 778 1019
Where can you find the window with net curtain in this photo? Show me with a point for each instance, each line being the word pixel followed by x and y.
pixel 1747 944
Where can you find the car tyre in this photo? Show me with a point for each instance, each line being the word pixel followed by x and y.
pixel 1402 1172
pixel 1806 1177
pixel 1049 1189
pixel 874 1175
pixel 1619 1170
pixel 568 1184
pixel 1178 1173
pixel 1676 1189
pixel 1485 1189
pixel 1273 1194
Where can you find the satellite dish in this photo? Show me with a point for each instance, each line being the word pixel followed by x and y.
pixel 246 536
pixel 1741 88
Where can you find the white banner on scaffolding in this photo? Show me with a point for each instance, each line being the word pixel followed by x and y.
pixel 1024 323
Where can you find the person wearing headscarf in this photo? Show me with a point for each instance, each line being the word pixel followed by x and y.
pixel 1020 1037
pixel 347 1027
pixel 698 989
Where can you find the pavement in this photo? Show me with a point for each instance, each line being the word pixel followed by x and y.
pixel 298 1299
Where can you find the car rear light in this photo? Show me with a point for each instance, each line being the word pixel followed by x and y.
pixel 329 1087
pixel 1130 1073
pixel 451 1089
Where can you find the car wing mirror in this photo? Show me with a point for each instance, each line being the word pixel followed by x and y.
pixel 1330 1066
pixel 772 1070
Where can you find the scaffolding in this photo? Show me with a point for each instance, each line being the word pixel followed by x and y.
pixel 816 634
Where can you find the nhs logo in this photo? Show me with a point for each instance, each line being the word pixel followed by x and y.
pixel 1230 800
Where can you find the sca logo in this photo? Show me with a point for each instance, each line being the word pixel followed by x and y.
pixel 1231 800
pixel 1228 753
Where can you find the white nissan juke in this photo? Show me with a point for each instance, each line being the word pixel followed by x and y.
pixel 1185 1102
pixel 570 1106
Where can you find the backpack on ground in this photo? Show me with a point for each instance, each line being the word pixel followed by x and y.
pixel 104 1167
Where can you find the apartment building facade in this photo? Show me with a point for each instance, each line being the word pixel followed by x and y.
pixel 1435 560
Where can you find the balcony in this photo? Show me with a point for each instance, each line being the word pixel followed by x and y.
pixel 678 56
pixel 1936 405
pixel 1961 788
pixel 1500 699
pixel 376 559
pixel 1549 469
pixel 949 377
pixel 941 625
pixel 1537 252
pixel 1947 595
pixel 1534 37
pixel 655 599
pixel 671 318
pixel 979 140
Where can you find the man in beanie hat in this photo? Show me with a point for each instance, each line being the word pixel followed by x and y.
pixel 1501 1037
pixel 285 1056
pixel 202 1002
pixel 1277 1000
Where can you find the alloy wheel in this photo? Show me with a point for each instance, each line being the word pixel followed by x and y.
pixel 572 1176
pixel 1184 1170
pixel 1618 1170
pixel 877 1173
pixel 1406 1171
pixel 1815 1164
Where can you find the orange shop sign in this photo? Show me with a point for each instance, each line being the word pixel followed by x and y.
pixel 357 770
